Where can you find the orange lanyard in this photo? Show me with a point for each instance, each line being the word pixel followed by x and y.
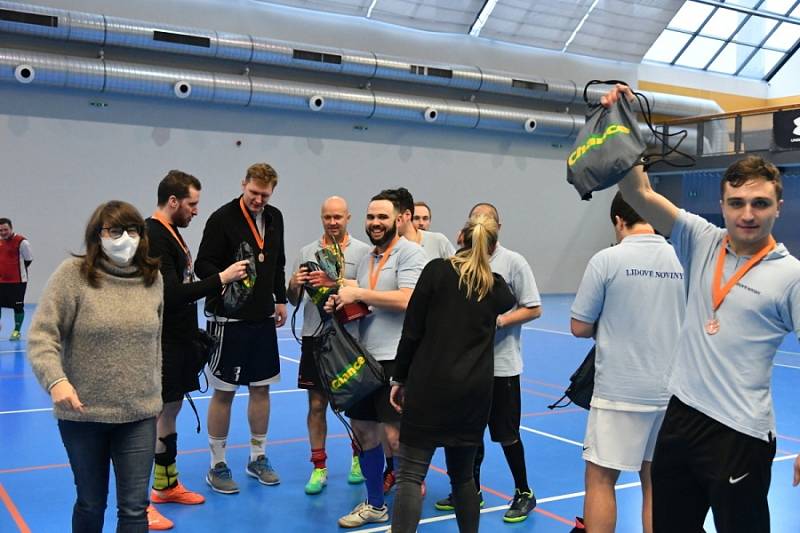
pixel 373 277
pixel 161 218
pixel 259 239
pixel 718 292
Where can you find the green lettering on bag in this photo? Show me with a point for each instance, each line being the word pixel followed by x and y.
pixel 596 140
pixel 350 370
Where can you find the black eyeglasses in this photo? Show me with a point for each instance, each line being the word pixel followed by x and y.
pixel 115 232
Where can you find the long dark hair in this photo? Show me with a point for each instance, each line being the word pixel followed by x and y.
pixel 123 214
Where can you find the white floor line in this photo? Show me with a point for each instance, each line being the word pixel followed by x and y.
pixel 788 366
pixel 551 436
pixel 12 351
pixel 787 352
pixel 557 332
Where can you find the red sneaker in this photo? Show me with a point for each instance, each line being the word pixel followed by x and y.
pixel 388 481
pixel 156 521
pixel 176 494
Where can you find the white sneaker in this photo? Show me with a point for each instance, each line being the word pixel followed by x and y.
pixel 364 513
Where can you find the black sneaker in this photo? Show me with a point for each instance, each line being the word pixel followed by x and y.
pixel 521 506
pixel 446 504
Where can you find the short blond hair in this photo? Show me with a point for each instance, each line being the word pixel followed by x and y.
pixel 262 174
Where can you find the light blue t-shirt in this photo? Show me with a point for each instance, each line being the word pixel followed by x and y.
pixel 728 376
pixel 353 253
pixel 517 273
pixel 635 293
pixel 379 332
pixel 436 245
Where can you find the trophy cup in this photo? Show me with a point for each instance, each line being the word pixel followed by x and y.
pixel 331 261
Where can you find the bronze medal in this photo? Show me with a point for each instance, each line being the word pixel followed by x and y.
pixel 261 257
pixel 712 326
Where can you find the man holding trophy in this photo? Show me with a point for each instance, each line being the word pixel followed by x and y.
pixel 336 253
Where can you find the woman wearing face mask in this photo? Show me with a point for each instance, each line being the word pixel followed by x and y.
pixel 95 345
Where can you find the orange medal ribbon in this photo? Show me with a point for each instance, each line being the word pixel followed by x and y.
pixel 718 292
pixel 161 218
pixel 373 277
pixel 256 235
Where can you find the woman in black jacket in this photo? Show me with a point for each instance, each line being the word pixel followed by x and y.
pixel 444 374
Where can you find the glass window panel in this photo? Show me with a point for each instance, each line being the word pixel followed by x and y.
pixel 761 63
pixel 731 58
pixel 754 30
pixel 796 13
pixel 777 6
pixel 722 23
pixel 667 46
pixel 699 52
pixel 784 37
pixel 744 3
pixel 690 16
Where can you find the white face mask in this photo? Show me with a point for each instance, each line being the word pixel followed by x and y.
pixel 120 251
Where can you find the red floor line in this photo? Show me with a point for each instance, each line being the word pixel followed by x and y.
pixel 12 509
pixel 553 412
pixel 544 383
pixel 537 393
pixel 506 497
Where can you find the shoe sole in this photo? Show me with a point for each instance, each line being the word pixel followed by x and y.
pixel 155 499
pixel 221 491
pixel 518 519
pixel 451 508
pixel 254 475
pixel 356 481
pixel 379 521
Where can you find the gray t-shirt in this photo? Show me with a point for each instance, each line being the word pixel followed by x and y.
pixel 353 253
pixel 380 331
pixel 635 340
pixel 728 376
pixel 436 245
pixel 517 273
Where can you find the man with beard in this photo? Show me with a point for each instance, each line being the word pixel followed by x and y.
pixel 335 217
pixel 178 197
pixel 385 279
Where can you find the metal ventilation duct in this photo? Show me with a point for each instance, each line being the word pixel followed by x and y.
pixel 99 75
pixel 98 29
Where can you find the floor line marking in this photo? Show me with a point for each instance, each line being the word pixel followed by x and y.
pixel 787 437
pixel 285 358
pixel 551 436
pixel 788 366
pixel 12 509
pixel 540 394
pixel 553 412
pixel 557 332
pixel 543 383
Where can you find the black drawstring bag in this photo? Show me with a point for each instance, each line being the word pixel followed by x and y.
pixel 237 293
pixel 347 371
pixel 581 384
pixel 610 144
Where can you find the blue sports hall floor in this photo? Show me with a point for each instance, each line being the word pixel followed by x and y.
pixel 37 492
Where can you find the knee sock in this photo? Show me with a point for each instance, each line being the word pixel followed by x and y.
pixel 165 470
pixel 217 446
pixel 476 471
pixel 257 446
pixel 515 456
pixel 318 457
pixel 19 316
pixel 371 467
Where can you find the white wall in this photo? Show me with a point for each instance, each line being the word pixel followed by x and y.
pixel 786 82
pixel 61 156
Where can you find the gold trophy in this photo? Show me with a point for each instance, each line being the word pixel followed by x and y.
pixel 331 260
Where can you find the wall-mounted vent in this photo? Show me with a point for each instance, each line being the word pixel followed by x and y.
pixel 319 57
pixel 420 70
pixel 181 38
pixel 529 85
pixel 28 18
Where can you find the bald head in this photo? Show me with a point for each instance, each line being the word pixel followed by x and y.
pixel 335 216
pixel 485 209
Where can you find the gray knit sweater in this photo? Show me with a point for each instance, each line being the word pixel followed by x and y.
pixel 106 341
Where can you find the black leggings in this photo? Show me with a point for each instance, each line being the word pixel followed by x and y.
pixel 413 467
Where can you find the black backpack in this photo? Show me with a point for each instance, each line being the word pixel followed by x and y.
pixel 581 384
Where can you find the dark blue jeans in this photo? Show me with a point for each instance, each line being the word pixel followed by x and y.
pixel 91 447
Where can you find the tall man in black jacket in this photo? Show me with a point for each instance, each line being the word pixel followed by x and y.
pixel 248 353
pixel 178 197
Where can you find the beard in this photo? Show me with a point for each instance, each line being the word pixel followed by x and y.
pixel 388 235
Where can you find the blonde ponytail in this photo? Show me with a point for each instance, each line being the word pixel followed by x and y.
pixel 472 262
